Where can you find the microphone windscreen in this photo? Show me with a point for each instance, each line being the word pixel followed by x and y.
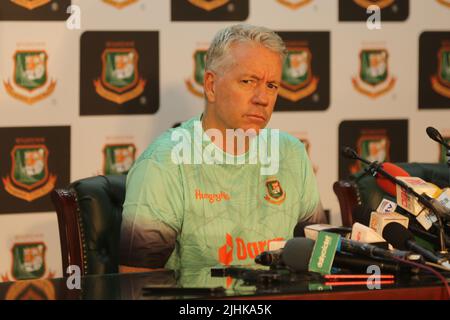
pixel 434 134
pixel 397 235
pixel 387 185
pixel 297 253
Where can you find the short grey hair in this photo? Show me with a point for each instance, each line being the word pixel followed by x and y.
pixel 220 46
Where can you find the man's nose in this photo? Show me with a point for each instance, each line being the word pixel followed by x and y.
pixel 261 96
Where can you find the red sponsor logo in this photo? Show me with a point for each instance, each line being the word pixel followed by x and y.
pixel 243 249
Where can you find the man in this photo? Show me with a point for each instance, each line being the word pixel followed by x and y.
pixel 208 212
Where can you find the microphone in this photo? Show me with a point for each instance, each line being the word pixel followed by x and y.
pixel 387 185
pixel 403 239
pixel 297 253
pixel 435 135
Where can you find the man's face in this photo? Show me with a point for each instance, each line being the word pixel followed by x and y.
pixel 243 93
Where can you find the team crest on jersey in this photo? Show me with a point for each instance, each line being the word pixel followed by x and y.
pixel 441 81
pixel 444 2
pixel 31 4
pixel 30 83
pixel 298 80
pixel 120 81
pixel 274 191
pixel 28 260
pixel 119 4
pixel 195 84
pixel 380 3
pixel 294 4
pixel 374 78
pixel 373 147
pixel 30 178
pixel 209 5
pixel 118 158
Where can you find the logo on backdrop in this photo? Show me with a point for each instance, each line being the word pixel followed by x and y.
pixel 35 161
pixel 195 83
pixel 375 140
pixel 31 4
pixel 294 4
pixel 119 73
pixel 118 158
pixel 28 260
pixel 374 78
pixel 209 10
pixel 356 10
pixel 37 10
pixel 42 289
pixel 30 82
pixel 440 82
pixel 444 2
pixel 305 83
pixel 120 80
pixel 298 80
pixel 434 70
pixel 30 178
pixel 120 4
pixel 372 145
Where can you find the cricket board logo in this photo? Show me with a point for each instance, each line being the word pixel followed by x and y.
pixel 30 178
pixel 380 3
pixel 120 80
pixel 208 5
pixel 120 4
pixel 195 84
pixel 374 78
pixel 274 192
pixel 241 250
pixel 294 4
pixel 118 158
pixel 373 147
pixel 441 81
pixel 298 80
pixel 28 260
pixel 444 2
pixel 31 4
pixel 30 77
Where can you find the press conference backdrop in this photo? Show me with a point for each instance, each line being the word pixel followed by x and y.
pixel 77 103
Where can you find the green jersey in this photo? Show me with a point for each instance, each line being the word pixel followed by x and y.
pixel 223 213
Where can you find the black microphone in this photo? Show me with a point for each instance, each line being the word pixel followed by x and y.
pixel 297 253
pixel 435 135
pixel 401 238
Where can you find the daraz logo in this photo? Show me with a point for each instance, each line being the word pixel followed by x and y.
pixel 243 249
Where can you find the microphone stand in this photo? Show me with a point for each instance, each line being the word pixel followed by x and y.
pixel 375 168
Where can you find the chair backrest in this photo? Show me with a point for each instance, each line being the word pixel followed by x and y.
pixel 359 195
pixel 89 216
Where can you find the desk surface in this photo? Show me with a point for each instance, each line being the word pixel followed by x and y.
pixel 201 284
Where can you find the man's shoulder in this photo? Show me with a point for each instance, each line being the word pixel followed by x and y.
pixel 160 149
pixel 290 142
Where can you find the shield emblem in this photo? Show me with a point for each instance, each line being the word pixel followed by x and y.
pixel 30 69
pixel 29 165
pixel 294 4
pixel 199 66
pixel 380 3
pixel 274 191
pixel 119 158
pixel 28 260
pixel 209 5
pixel 30 4
pixel 120 69
pixel 120 3
pixel 373 147
pixel 374 66
pixel 297 80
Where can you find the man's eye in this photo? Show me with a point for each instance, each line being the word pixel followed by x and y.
pixel 272 86
pixel 247 81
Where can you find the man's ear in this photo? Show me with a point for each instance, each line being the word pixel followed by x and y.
pixel 209 86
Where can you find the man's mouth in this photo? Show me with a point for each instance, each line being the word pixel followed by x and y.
pixel 256 117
